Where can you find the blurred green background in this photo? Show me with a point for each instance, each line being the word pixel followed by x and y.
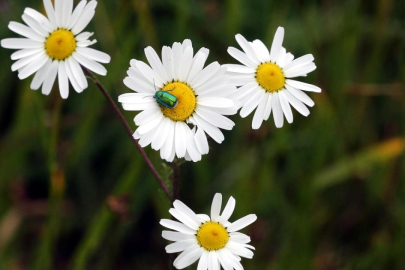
pixel 329 189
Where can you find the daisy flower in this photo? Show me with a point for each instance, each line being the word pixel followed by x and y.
pixel 180 101
pixel 56 46
pixel 214 241
pixel 266 80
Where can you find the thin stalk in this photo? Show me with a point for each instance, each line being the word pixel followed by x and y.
pixel 175 178
pixel 130 132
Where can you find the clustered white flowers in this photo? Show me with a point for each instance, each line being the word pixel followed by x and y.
pixel 181 100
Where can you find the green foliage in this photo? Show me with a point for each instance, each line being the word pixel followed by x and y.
pixel 329 189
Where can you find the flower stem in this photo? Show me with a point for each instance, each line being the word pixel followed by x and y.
pixel 129 131
pixel 175 178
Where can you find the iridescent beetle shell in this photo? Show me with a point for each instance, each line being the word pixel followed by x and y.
pixel 166 99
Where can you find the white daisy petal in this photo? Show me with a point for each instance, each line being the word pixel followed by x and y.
pixel 288 59
pixel 241 57
pixel 72 78
pixel 277 111
pixel 201 141
pixel 83 20
pixel 180 246
pixel 242 223
pixel 239 250
pixel 63 81
pixel 197 65
pixel 206 74
pixel 239 69
pixel 185 64
pixel 76 14
pixel 77 72
pixel 32 67
pixel 67 12
pixel 187 211
pixel 203 263
pixel 167 61
pixel 188 258
pixel 216 207
pixel 303 86
pixel 252 103
pixel 41 75
pixel 226 214
pixel 177 58
pixel 296 103
pixel 25 61
pixel 300 71
pixel 186 43
pixel 281 57
pixel 149 74
pixel 50 12
pixel 95 55
pixel 301 61
pixel 203 217
pixel 239 237
pixel 146 116
pixel 161 134
pixel 177 226
pixel 180 140
pixel 183 218
pixel 262 49
pixel 246 90
pixel 150 125
pixel 20 43
pixel 90 64
pixel 176 236
pixel 260 112
pixel 300 95
pixel 25 53
pixel 38 22
pixel 147 137
pixel 215 118
pixel 285 106
pixel 50 79
pixel 267 111
pixel 277 44
pixel 247 48
pixel 223 260
pixel 169 145
pixel 25 31
pixel 215 102
pixel 211 130
pixel 192 149
pixel 155 63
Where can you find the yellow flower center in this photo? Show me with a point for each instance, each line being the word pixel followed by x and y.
pixel 186 101
pixel 270 77
pixel 212 236
pixel 60 44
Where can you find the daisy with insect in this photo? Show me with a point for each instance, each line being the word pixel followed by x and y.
pixel 180 101
pixel 265 80
pixel 214 241
pixel 55 46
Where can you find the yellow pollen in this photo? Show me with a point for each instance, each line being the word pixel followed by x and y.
pixel 212 236
pixel 270 77
pixel 186 101
pixel 60 44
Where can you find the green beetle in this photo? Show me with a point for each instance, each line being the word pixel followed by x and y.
pixel 166 99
